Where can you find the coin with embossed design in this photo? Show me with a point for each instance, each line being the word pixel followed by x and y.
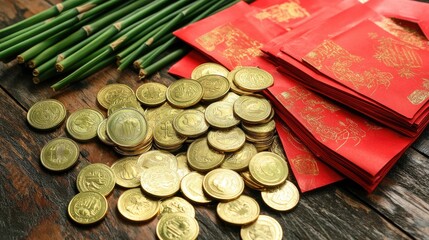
pixel 96 177
pixel 112 93
pixel 127 127
pixel 203 158
pixel 282 198
pixel 151 94
pixel 214 87
pixel 268 169
pixel 87 207
pixel 176 205
pixel 46 114
pixel 130 102
pixel 83 124
pixel 184 93
pixel 240 211
pixel 59 154
pixel 135 206
pixel 253 79
pixel 239 160
pixel 166 137
pixel 223 184
pixel 177 226
pixel 160 181
pixel 252 109
pixel 190 123
pixel 234 88
pixel 207 69
pixel 265 227
pixel 226 140
pixel 221 115
pixel 126 172
pixel 192 187
pixel 157 158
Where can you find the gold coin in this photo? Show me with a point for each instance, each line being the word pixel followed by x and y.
pixel 282 198
pixel 230 97
pixel 177 226
pixel 112 93
pixel 207 69
pixel 223 184
pixel 214 87
pixel 157 158
pixel 87 207
pixel 182 164
pixel 268 169
pixel 127 127
pixel 135 206
pixel 253 79
pixel 83 124
pixel 241 211
pixel 190 123
pixel 265 227
pixel 96 177
pixel 234 88
pixel 160 181
pixel 166 137
pixel 184 93
pixel 126 172
pixel 239 160
pixel 192 187
pixel 176 205
pixel 248 181
pixel 59 154
pixel 202 158
pixel 259 129
pixel 102 133
pixel 226 140
pixel 151 94
pixel 252 109
pixel 130 102
pixel 221 115
pixel 46 114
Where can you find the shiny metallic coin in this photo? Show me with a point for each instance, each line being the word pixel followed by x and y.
pixel 46 114
pixel 87 207
pixel 82 125
pixel 59 154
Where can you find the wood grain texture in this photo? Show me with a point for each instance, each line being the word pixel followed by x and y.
pixel 33 200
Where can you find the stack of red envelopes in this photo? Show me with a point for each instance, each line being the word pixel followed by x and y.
pixel 342 50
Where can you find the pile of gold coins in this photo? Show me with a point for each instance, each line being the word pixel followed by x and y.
pixel 207 137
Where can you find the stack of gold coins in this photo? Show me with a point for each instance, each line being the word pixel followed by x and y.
pixel 261 135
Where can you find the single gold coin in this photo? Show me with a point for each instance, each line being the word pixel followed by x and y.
pixel 83 124
pixel 127 127
pixel 157 158
pixel 282 198
pixel 203 158
pixel 221 115
pixel 160 181
pixel 87 207
pixel 252 109
pixel 126 172
pixel 184 93
pixel 151 94
pixel 192 187
pixel 102 133
pixel 177 226
pixel 214 87
pixel 265 227
pixel 96 177
pixel 240 211
pixel 182 164
pixel 253 79
pixel 209 68
pixel 135 206
pixel 176 205
pixel 113 93
pixel 234 88
pixel 223 184
pixel 268 169
pixel 190 123
pixel 239 161
pixel 166 137
pixel 226 140
pixel 46 114
pixel 59 154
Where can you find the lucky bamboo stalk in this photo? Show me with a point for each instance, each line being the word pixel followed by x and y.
pixel 158 65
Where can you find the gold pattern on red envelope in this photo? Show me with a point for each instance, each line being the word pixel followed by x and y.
pixel 284 12
pixel 420 95
pixel 234 44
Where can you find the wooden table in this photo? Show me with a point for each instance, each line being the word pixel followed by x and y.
pixel 33 200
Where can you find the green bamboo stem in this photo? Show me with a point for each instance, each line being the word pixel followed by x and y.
pixel 148 58
pixel 40 17
pixel 177 20
pixel 158 65
pixel 107 35
pixel 13 35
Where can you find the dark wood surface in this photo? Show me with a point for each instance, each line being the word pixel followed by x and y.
pixel 33 200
